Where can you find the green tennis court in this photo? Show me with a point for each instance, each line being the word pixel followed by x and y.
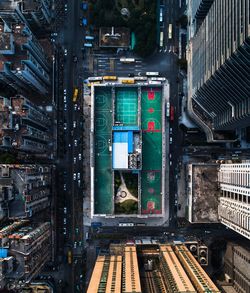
pixel 103 131
pixel 126 106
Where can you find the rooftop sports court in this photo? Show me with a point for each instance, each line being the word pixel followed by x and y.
pixel 125 101
pixel 126 106
pixel 151 117
pixel 103 130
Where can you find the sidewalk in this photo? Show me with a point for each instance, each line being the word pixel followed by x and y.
pixel 181 192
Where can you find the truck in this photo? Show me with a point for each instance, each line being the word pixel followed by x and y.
pixel 75 95
pixel 161 39
pixel 69 257
pixel 89 38
pixel 88 45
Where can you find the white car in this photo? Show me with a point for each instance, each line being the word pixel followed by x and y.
pixel 74 160
pixel 170 130
pixel 170 140
pixel 65 91
pixel 64 187
pixel 75 107
pixel 74 124
pixel 65 99
pixel 65 210
pixel 78 176
pixel 75 244
pixel 170 163
pixel 170 156
pixel 80 157
pixel 65 7
pixel 64 221
pixel 79 183
pixel 65 107
pixel 75 142
pixel 74 176
pixel 64 231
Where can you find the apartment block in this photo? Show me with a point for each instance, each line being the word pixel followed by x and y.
pixel 237 259
pixel 149 267
pixel 24 190
pixel 234 206
pixel 24 126
pixel 24 65
pixel 37 14
pixel 218 67
pixel 25 249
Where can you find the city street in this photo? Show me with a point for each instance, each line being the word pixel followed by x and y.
pixel 70 164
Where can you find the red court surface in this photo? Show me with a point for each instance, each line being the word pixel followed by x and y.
pixel 151 110
pixel 150 205
pixel 151 95
pixel 151 125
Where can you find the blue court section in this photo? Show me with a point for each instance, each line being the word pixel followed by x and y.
pixel 124 137
pixel 130 142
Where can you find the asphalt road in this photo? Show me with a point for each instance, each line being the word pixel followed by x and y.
pixel 70 129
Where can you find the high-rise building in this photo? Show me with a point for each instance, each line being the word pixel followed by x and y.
pixel 149 268
pixel 234 206
pixel 36 13
pixel 24 251
pixel 219 66
pixel 24 126
pixel 24 190
pixel 237 259
pixel 23 63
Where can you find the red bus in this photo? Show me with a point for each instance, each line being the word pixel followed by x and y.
pixel 172 113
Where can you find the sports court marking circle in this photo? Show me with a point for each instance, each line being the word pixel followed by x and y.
pixel 100 144
pixel 151 190
pixel 100 121
pixel 101 100
pixel 151 110
pixel 156 122
pixel 152 177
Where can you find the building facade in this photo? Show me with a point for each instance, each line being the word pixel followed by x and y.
pixel 23 62
pixel 24 190
pixel 27 248
pixel 35 13
pixel 219 66
pixel 237 259
pixel 25 126
pixel 234 206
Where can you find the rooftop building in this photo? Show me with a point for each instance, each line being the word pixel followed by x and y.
pixel 128 149
pixel 203 193
pixel 150 268
pixel 23 62
pixel 25 126
pixel 24 190
pixel 234 206
pixel 25 249
pixel 35 13
pixel 218 67
pixel 110 37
